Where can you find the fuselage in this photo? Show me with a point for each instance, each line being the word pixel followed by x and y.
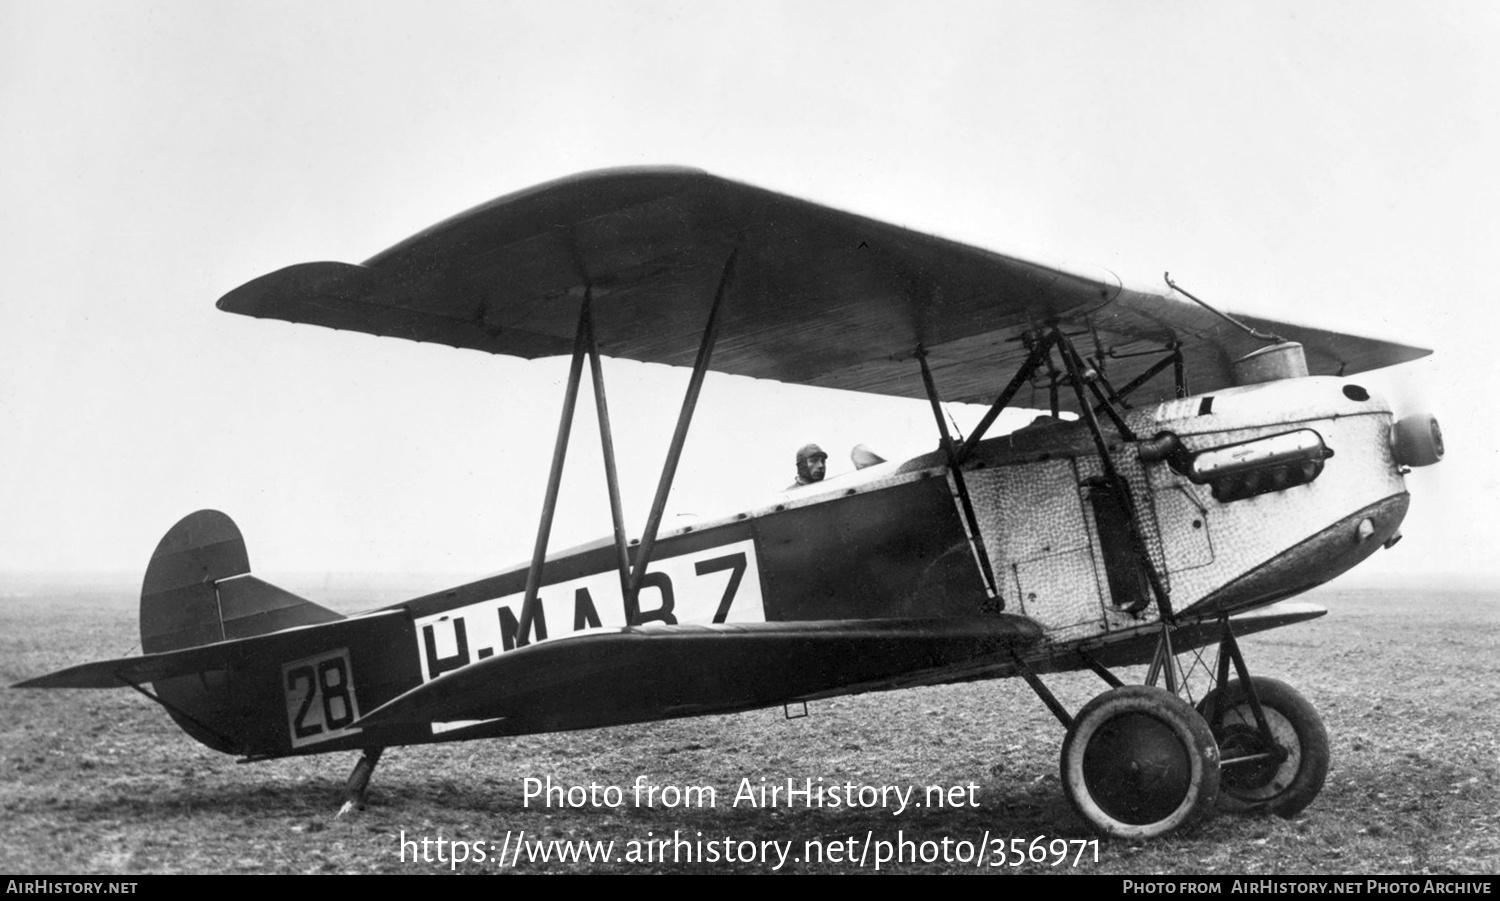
pixel 1241 498
pixel 891 542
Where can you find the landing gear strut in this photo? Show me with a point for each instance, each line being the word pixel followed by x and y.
pixel 1139 762
pixel 1279 776
pixel 1275 749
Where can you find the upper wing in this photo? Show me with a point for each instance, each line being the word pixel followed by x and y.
pixel 818 296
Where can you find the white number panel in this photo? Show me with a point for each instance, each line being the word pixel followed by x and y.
pixel 320 702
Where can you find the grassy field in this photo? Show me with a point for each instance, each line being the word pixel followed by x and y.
pixel 103 782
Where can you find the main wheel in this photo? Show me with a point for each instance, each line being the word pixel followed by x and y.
pixel 1275 784
pixel 1139 762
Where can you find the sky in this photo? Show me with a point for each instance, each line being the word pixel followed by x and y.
pixel 1328 163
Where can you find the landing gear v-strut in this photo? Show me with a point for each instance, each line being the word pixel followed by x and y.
pixel 1280 772
pixel 1140 762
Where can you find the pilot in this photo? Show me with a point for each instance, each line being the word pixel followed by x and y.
pixel 812 465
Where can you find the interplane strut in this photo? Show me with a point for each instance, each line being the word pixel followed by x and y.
pixel 585 346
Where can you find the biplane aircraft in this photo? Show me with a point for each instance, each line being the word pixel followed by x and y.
pixel 1195 470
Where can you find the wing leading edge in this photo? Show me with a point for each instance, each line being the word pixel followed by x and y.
pixel 819 296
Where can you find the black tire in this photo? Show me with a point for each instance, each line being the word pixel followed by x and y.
pixel 1283 788
pixel 1139 762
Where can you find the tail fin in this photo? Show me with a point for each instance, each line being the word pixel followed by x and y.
pixel 198 590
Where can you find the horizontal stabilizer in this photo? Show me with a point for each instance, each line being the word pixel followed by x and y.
pixel 250 606
pixel 659 670
pixel 223 655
